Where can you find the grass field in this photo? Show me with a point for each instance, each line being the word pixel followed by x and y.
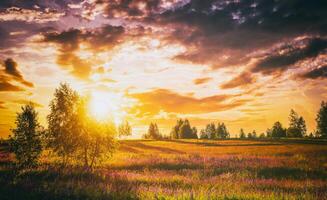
pixel 182 169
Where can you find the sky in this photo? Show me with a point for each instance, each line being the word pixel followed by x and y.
pixel 242 62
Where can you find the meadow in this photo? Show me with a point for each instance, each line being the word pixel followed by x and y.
pixel 181 169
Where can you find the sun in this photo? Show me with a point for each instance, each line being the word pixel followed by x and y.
pixel 105 106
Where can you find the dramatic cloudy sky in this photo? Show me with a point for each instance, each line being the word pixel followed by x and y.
pixel 243 62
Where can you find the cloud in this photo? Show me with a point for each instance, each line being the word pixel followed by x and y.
pixel 318 73
pixel 11 69
pixel 99 39
pixel 22 101
pixel 200 81
pixel 152 102
pixel 290 54
pixel 8 87
pixel 2 105
pixel 243 79
pixel 30 15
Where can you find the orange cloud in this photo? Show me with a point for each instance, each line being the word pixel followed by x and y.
pixel 151 103
pixel 200 81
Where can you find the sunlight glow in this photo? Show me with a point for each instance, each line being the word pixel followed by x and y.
pixel 106 106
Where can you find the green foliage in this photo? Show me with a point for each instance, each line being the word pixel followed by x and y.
pixel 321 120
pixel 124 129
pixel 277 130
pixel 211 131
pixel 297 126
pixel 183 130
pixel 222 131
pixel 26 142
pixel 63 124
pixel 203 134
pixel 242 134
pixel 175 129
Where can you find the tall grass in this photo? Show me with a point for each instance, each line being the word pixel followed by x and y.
pixel 230 169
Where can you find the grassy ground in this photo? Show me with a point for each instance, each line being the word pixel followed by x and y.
pixel 182 169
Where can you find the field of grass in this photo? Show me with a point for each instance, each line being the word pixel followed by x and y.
pixel 181 169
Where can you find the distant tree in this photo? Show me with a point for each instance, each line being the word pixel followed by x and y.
pixel 194 133
pixel 321 120
pixel 250 136
pixel 297 126
pixel 203 134
pixel 278 130
pixel 153 132
pixel 254 134
pixel 185 131
pixel 269 132
pixel 211 131
pixel 222 131
pixel 64 128
pixel 25 142
pixel 242 134
pixel 124 129
pixel 262 135
pixel 175 129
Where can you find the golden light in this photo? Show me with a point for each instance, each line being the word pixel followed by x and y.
pixel 106 106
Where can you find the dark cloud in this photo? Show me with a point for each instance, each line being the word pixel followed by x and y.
pixel 243 79
pixel 317 73
pixel 100 39
pixel 278 61
pixel 222 33
pixel 11 69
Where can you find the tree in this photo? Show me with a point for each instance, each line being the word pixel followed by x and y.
pixel 250 136
pixel 211 131
pixel 124 129
pixel 153 132
pixel 254 134
pixel 297 126
pixel 278 130
pixel 185 131
pixel 262 135
pixel 97 139
pixel 175 129
pixel 321 120
pixel 222 131
pixel 203 134
pixel 194 133
pixel 242 134
pixel 64 128
pixel 25 142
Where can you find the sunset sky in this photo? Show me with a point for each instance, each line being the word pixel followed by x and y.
pixel 242 62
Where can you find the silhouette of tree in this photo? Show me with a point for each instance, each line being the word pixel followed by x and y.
pixel 297 126
pixel 321 120
pixel 26 140
pixel 242 134
pixel 222 131
pixel 203 134
pixel 278 130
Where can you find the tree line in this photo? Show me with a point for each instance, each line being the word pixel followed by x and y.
pixel 296 129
